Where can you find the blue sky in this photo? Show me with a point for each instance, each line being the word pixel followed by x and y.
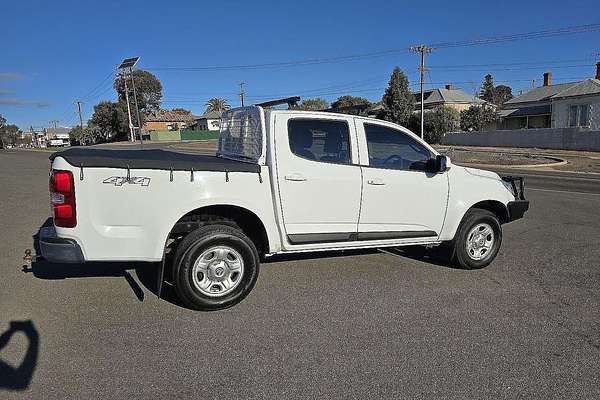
pixel 54 52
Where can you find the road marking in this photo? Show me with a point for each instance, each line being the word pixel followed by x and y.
pixel 563 191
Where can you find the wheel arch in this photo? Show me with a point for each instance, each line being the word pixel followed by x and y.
pixel 451 226
pixel 247 220
pixel 494 206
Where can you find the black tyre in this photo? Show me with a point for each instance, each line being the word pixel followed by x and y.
pixel 478 239
pixel 216 266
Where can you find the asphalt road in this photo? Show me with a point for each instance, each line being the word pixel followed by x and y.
pixel 360 325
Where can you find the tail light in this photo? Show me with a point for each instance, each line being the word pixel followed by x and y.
pixel 62 197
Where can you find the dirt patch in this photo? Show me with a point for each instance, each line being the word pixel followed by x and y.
pixel 461 156
pixel 574 161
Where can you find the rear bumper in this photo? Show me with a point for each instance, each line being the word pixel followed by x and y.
pixel 517 208
pixel 59 250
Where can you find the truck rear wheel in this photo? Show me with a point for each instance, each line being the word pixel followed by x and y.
pixel 478 239
pixel 216 266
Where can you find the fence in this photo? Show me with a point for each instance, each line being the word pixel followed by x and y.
pixel 171 136
pixel 199 135
pixel 174 136
pixel 547 138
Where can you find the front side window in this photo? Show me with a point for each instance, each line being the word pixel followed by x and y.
pixel 391 148
pixel 579 115
pixel 584 115
pixel 320 140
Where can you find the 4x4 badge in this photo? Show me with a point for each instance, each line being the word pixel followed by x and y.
pixel 134 180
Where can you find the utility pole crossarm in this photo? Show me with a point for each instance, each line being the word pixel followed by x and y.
pixel 422 49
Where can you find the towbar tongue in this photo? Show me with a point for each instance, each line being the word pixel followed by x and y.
pixel 517 185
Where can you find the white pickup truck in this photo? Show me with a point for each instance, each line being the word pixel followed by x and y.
pixel 283 181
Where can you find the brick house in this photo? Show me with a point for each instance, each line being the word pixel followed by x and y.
pixel 168 121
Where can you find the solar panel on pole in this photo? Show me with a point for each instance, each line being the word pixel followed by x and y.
pixel 128 62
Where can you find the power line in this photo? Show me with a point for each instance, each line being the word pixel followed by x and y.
pixel 310 61
pixel 390 52
pixel 520 36
pixel 99 86
pixel 524 63
pixel 380 89
pixel 448 69
pixel 96 91
pixel 309 92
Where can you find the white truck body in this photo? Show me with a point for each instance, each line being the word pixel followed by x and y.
pixel 304 205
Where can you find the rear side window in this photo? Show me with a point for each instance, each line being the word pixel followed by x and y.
pixel 391 148
pixel 320 140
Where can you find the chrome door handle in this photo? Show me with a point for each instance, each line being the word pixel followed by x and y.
pixel 295 178
pixel 376 181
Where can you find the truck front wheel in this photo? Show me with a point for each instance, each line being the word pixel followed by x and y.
pixel 478 239
pixel 216 266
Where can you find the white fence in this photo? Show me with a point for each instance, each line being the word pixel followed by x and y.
pixel 548 138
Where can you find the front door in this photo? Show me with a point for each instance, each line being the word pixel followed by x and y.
pixel 400 199
pixel 319 186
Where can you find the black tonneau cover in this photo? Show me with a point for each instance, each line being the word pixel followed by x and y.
pixel 151 159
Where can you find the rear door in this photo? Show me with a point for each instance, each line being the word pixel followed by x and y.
pixel 401 200
pixel 319 181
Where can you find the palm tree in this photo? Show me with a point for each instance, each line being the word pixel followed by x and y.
pixel 216 104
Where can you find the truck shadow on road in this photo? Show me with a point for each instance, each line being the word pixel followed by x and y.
pixel 148 276
pixel 438 256
pixel 147 273
pixel 19 378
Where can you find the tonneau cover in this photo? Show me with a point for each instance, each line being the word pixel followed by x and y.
pixel 151 159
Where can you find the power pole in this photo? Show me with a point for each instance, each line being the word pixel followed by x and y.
pixel 131 135
pixel 137 109
pixel 80 116
pixel 242 93
pixel 422 49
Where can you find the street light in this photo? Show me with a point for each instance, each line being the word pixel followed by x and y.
pixel 127 65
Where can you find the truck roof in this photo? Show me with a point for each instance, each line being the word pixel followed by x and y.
pixel 327 114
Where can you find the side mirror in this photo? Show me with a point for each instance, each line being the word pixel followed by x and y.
pixel 439 164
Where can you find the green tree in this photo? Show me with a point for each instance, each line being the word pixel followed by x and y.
pixel 8 133
pixel 497 95
pixel 502 94
pixel 398 100
pixel 487 89
pixel 88 135
pixel 478 118
pixel 109 121
pixel 2 125
pixel 437 122
pixel 315 104
pixel 148 89
pixel 347 104
pixel 217 105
